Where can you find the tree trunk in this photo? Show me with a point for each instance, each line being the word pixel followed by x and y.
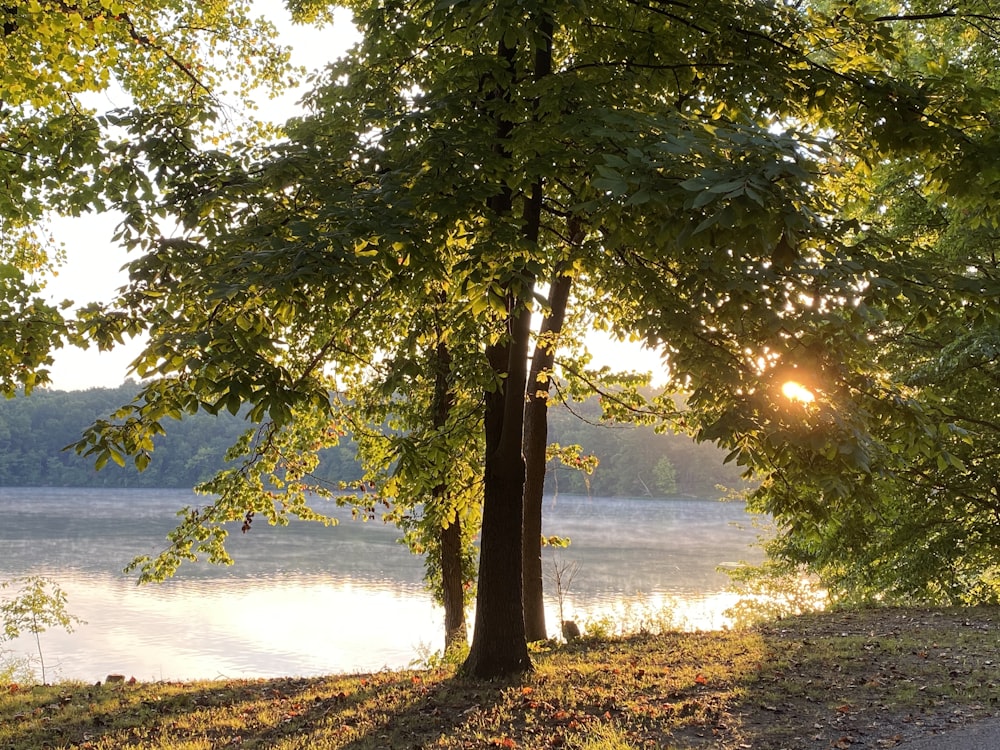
pixel 536 438
pixel 455 634
pixel 450 536
pixel 499 647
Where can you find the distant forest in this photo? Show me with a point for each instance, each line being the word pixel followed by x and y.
pixel 34 430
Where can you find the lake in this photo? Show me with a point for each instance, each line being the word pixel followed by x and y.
pixel 308 599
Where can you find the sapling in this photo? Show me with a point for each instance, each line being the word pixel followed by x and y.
pixel 39 604
pixel 562 577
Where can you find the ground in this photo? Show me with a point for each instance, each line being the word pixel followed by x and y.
pixel 862 679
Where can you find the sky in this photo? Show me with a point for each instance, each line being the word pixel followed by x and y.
pixel 92 271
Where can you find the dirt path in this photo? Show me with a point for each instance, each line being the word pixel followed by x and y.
pixel 873 679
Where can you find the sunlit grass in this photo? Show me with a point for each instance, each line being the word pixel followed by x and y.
pixel 604 737
pixel 757 687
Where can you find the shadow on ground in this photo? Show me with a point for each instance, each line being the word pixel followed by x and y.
pixel 870 679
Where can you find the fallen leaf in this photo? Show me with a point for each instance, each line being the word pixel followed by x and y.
pixel 891 741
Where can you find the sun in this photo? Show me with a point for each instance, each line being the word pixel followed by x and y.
pixel 797 392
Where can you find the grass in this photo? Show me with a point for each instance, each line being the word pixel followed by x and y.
pixel 869 678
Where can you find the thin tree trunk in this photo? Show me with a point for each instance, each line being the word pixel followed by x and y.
pixel 455 633
pixel 535 428
pixel 536 438
pixel 450 536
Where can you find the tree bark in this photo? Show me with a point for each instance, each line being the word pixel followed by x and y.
pixel 450 536
pixel 535 428
pixel 455 633
pixel 536 438
pixel 499 647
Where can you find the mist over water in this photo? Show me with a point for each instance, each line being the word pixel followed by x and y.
pixel 308 599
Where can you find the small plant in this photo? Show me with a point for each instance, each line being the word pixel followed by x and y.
pixel 429 659
pixel 561 577
pixel 38 605
pixel 14 669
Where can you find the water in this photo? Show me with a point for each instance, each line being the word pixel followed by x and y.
pixel 308 599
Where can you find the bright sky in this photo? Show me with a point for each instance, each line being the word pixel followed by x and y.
pixel 93 268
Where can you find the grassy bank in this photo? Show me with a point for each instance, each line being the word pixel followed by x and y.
pixel 842 680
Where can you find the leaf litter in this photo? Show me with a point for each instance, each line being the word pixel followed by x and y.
pixel 847 680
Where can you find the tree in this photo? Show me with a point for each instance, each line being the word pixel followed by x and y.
pixel 165 54
pixel 665 476
pixel 39 604
pixel 422 455
pixel 535 448
pixel 672 159
pixel 611 444
pixel 921 527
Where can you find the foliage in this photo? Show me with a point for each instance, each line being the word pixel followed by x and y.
pixel 915 520
pixel 623 457
pixel 165 55
pixel 15 669
pixel 271 477
pixel 665 476
pixel 35 430
pixel 431 660
pixel 38 605
pixel 422 453
pixel 683 165
pixel 632 615
pixel 772 591
pixel 194 449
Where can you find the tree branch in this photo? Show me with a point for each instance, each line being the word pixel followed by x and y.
pixel 145 41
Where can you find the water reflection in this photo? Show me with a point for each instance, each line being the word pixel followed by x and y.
pixel 248 627
pixel 314 600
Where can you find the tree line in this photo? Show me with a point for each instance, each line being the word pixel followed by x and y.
pixel 624 460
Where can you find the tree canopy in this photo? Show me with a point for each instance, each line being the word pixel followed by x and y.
pixel 700 172
pixel 907 524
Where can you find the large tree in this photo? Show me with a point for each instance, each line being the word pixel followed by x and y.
pixel 672 159
pixel 919 525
